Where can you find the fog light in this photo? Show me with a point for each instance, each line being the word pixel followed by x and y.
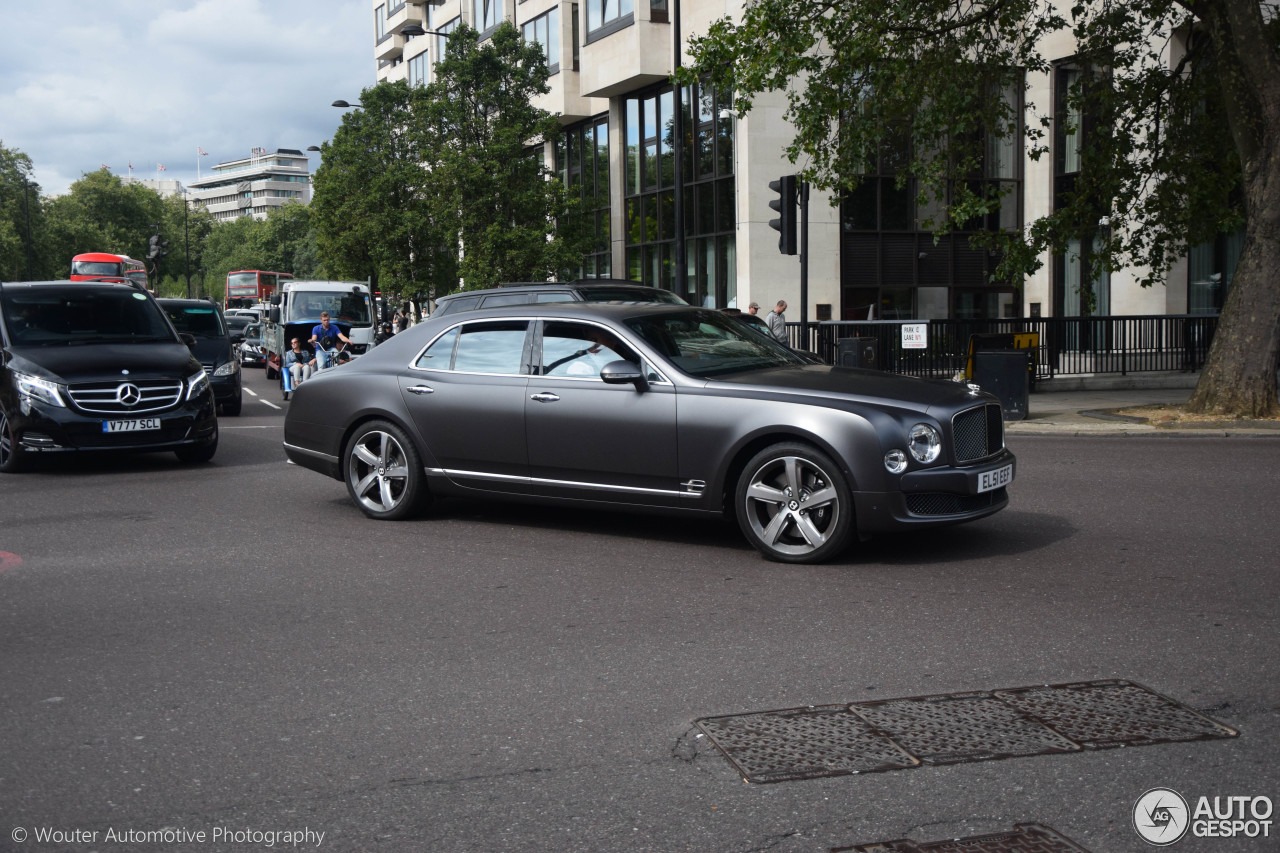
pixel 895 461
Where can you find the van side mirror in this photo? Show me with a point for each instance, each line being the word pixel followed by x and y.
pixel 188 339
pixel 275 315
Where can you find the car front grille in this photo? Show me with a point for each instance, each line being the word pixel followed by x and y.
pixel 978 432
pixel 105 398
pixel 947 504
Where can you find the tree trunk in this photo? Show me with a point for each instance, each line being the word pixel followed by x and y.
pixel 1239 378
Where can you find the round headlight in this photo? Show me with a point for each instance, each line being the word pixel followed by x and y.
pixel 924 443
pixel 895 461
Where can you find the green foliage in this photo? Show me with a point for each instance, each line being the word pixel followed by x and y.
pixel 21 214
pixel 858 72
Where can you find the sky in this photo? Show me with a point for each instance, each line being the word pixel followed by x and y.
pixel 88 83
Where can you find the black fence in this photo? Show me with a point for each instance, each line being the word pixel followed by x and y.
pixel 1063 346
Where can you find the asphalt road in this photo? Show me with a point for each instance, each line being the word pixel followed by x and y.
pixel 234 648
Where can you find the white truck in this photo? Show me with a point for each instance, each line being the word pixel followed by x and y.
pixel 296 310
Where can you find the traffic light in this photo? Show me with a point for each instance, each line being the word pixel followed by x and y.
pixel 157 248
pixel 785 204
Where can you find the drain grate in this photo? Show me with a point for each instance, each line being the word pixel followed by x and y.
pixel 803 743
pixel 965 727
pixel 865 737
pixel 1025 838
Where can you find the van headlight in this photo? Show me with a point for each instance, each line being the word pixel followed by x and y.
pixel 924 442
pixel 197 384
pixel 227 369
pixel 41 390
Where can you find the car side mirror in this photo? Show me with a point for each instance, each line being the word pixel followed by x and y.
pixel 188 339
pixel 623 372
pixel 237 338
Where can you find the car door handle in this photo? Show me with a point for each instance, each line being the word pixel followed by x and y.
pixel 545 397
pixel 420 389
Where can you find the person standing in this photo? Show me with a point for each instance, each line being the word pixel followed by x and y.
pixel 753 308
pixel 778 322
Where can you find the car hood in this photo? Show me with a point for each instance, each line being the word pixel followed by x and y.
pixel 212 350
pixel 853 384
pixel 101 362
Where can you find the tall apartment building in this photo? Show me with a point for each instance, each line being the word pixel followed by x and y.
pixel 611 61
pixel 253 185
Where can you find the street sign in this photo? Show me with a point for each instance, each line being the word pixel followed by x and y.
pixel 915 335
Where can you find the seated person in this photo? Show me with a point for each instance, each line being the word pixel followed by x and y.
pixel 581 350
pixel 299 362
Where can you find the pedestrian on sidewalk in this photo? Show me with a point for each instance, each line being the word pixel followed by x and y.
pixel 778 322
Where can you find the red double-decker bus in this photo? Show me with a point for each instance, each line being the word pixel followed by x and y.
pixel 245 288
pixel 105 266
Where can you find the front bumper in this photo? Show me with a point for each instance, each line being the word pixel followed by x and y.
pixel 53 429
pixel 935 497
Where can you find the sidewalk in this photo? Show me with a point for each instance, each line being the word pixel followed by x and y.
pixel 1087 405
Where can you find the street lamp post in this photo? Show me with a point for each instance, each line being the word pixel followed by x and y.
pixel 682 258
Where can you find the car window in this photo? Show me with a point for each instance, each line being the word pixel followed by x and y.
pixel 462 303
pixel 484 347
pixel 580 349
pixel 199 320
pixel 506 299
pixel 555 296
pixel 81 315
pixel 439 356
pixel 707 343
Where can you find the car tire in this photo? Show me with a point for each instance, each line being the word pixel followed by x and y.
pixel 384 472
pixel 794 505
pixel 271 372
pixel 197 454
pixel 233 407
pixel 13 458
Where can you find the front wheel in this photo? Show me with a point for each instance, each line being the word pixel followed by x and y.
pixel 384 473
pixel 794 505
pixel 12 457
pixel 196 454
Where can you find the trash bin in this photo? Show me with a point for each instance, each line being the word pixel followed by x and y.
pixel 857 352
pixel 1005 374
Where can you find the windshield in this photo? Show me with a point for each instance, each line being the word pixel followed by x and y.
pixel 628 294
pixel 706 344
pixel 96 268
pixel 344 307
pixel 81 315
pixel 200 320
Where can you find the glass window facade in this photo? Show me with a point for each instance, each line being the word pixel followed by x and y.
pixel 1081 286
pixel 605 16
pixel 582 162
pixel 710 201
pixel 545 30
pixel 893 266
pixel 487 15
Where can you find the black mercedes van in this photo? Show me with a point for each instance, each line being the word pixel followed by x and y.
pixel 96 366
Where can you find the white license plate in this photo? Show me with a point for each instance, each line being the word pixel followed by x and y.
pixel 135 425
pixel 989 480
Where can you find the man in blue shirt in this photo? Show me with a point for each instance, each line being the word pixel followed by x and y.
pixel 324 348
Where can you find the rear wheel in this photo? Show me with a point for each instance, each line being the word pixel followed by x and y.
pixel 12 457
pixel 384 473
pixel 793 504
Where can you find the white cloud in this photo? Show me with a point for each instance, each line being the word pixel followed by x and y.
pixel 87 82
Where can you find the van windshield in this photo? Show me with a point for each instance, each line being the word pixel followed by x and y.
pixel 81 314
pixel 344 307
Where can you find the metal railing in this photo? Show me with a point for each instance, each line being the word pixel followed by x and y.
pixel 1067 345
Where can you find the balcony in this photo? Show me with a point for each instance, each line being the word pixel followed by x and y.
pixel 566 99
pixel 626 60
pixel 390 47
pixel 409 14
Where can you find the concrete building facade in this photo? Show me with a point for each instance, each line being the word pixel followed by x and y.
pixel 611 61
pixel 253 185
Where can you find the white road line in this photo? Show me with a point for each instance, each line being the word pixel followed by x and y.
pixel 272 405
pixel 251 391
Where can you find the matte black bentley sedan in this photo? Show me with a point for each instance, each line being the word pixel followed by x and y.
pixel 652 407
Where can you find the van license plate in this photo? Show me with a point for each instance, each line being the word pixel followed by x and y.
pixel 135 425
pixel 989 480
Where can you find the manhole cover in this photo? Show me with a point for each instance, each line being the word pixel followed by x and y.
pixel 1025 838
pixel 802 743
pixel 838 740
pixel 1103 714
pixel 954 728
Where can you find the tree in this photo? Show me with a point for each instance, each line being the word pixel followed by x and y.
pixel 513 220
pixel 21 218
pixel 102 214
pixel 1170 152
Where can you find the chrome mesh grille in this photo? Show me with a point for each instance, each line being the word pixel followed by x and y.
pixel 104 398
pixel 978 432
